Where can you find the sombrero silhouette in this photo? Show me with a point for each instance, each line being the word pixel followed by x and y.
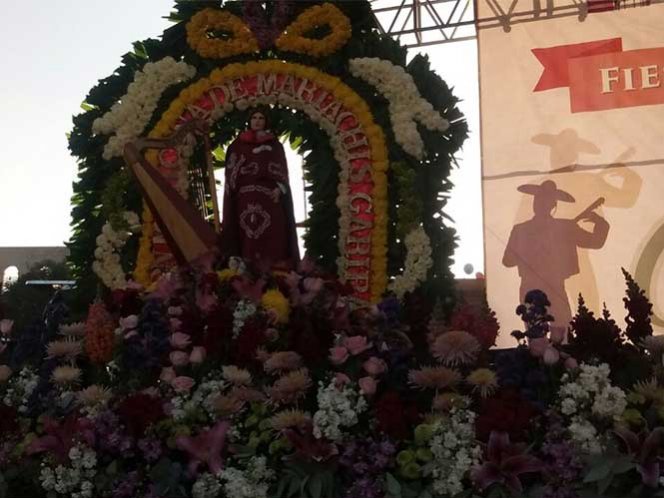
pixel 547 189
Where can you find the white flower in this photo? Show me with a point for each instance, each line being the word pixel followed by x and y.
pixel 337 408
pixel 128 117
pixel 417 265
pixel 407 106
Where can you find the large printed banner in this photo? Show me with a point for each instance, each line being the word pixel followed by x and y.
pixel 573 161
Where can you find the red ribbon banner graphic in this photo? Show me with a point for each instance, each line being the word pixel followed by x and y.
pixel 601 76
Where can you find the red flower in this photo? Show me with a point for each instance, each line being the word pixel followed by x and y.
pixel 506 412
pixel 126 302
pixel 481 324
pixel 140 411
pixel 8 421
pixel 395 417
pixel 251 337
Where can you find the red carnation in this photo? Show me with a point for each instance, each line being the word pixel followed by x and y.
pixel 395 417
pixel 480 323
pixel 140 411
pixel 506 412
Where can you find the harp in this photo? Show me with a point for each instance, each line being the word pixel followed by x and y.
pixel 183 222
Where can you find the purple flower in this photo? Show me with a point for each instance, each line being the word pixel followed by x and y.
pixel 504 463
pixel 151 449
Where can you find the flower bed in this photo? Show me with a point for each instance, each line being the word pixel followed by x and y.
pixel 237 382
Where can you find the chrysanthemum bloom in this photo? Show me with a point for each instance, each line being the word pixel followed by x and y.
pixel 236 376
pixel 434 378
pixel 275 301
pixel 66 375
pixel 446 401
pixel 283 361
pixel 455 348
pixel 246 394
pixel 76 329
pixel 650 390
pixel 484 381
pixel 67 349
pixel 290 387
pixel 289 419
pixel 225 406
pixel 94 395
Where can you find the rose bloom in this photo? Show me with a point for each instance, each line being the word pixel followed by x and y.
pixel 340 380
pixel 129 322
pixel 6 326
pixel 197 355
pixel 180 340
pixel 167 374
pixel 368 385
pixel 5 373
pixel 338 355
pixel 356 344
pixel 179 358
pixel 182 384
pixel 374 366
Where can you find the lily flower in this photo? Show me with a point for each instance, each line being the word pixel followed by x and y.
pixel 644 448
pixel 504 463
pixel 206 448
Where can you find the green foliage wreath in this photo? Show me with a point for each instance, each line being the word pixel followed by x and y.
pixel 102 192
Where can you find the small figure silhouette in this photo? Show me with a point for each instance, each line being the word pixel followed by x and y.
pixel 545 249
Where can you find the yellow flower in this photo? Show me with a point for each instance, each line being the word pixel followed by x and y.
pixel 275 301
pixel 207 20
pixel 483 381
pixel 226 274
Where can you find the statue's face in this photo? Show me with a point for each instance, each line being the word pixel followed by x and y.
pixel 257 121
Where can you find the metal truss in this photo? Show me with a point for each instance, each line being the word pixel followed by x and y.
pixel 418 23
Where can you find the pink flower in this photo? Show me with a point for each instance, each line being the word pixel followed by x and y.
pixel 571 364
pixel 197 355
pixel 374 366
pixel 129 322
pixel 312 285
pixel 368 385
pixel 538 346
pixel 283 361
pixel 206 448
pixel 551 356
pixel 182 384
pixel 175 323
pixel 180 340
pixel 6 326
pixel 174 310
pixel 356 344
pixel 167 374
pixel 5 373
pixel 206 301
pixel 338 355
pixel 340 380
pixel 179 358
pixel 558 334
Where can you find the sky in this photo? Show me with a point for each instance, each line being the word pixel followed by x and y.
pixel 54 53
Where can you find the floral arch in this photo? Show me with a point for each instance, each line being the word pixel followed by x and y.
pixel 385 129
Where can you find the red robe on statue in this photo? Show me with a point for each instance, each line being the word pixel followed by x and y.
pixel 257 221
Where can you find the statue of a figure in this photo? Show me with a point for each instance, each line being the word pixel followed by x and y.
pixel 258 223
